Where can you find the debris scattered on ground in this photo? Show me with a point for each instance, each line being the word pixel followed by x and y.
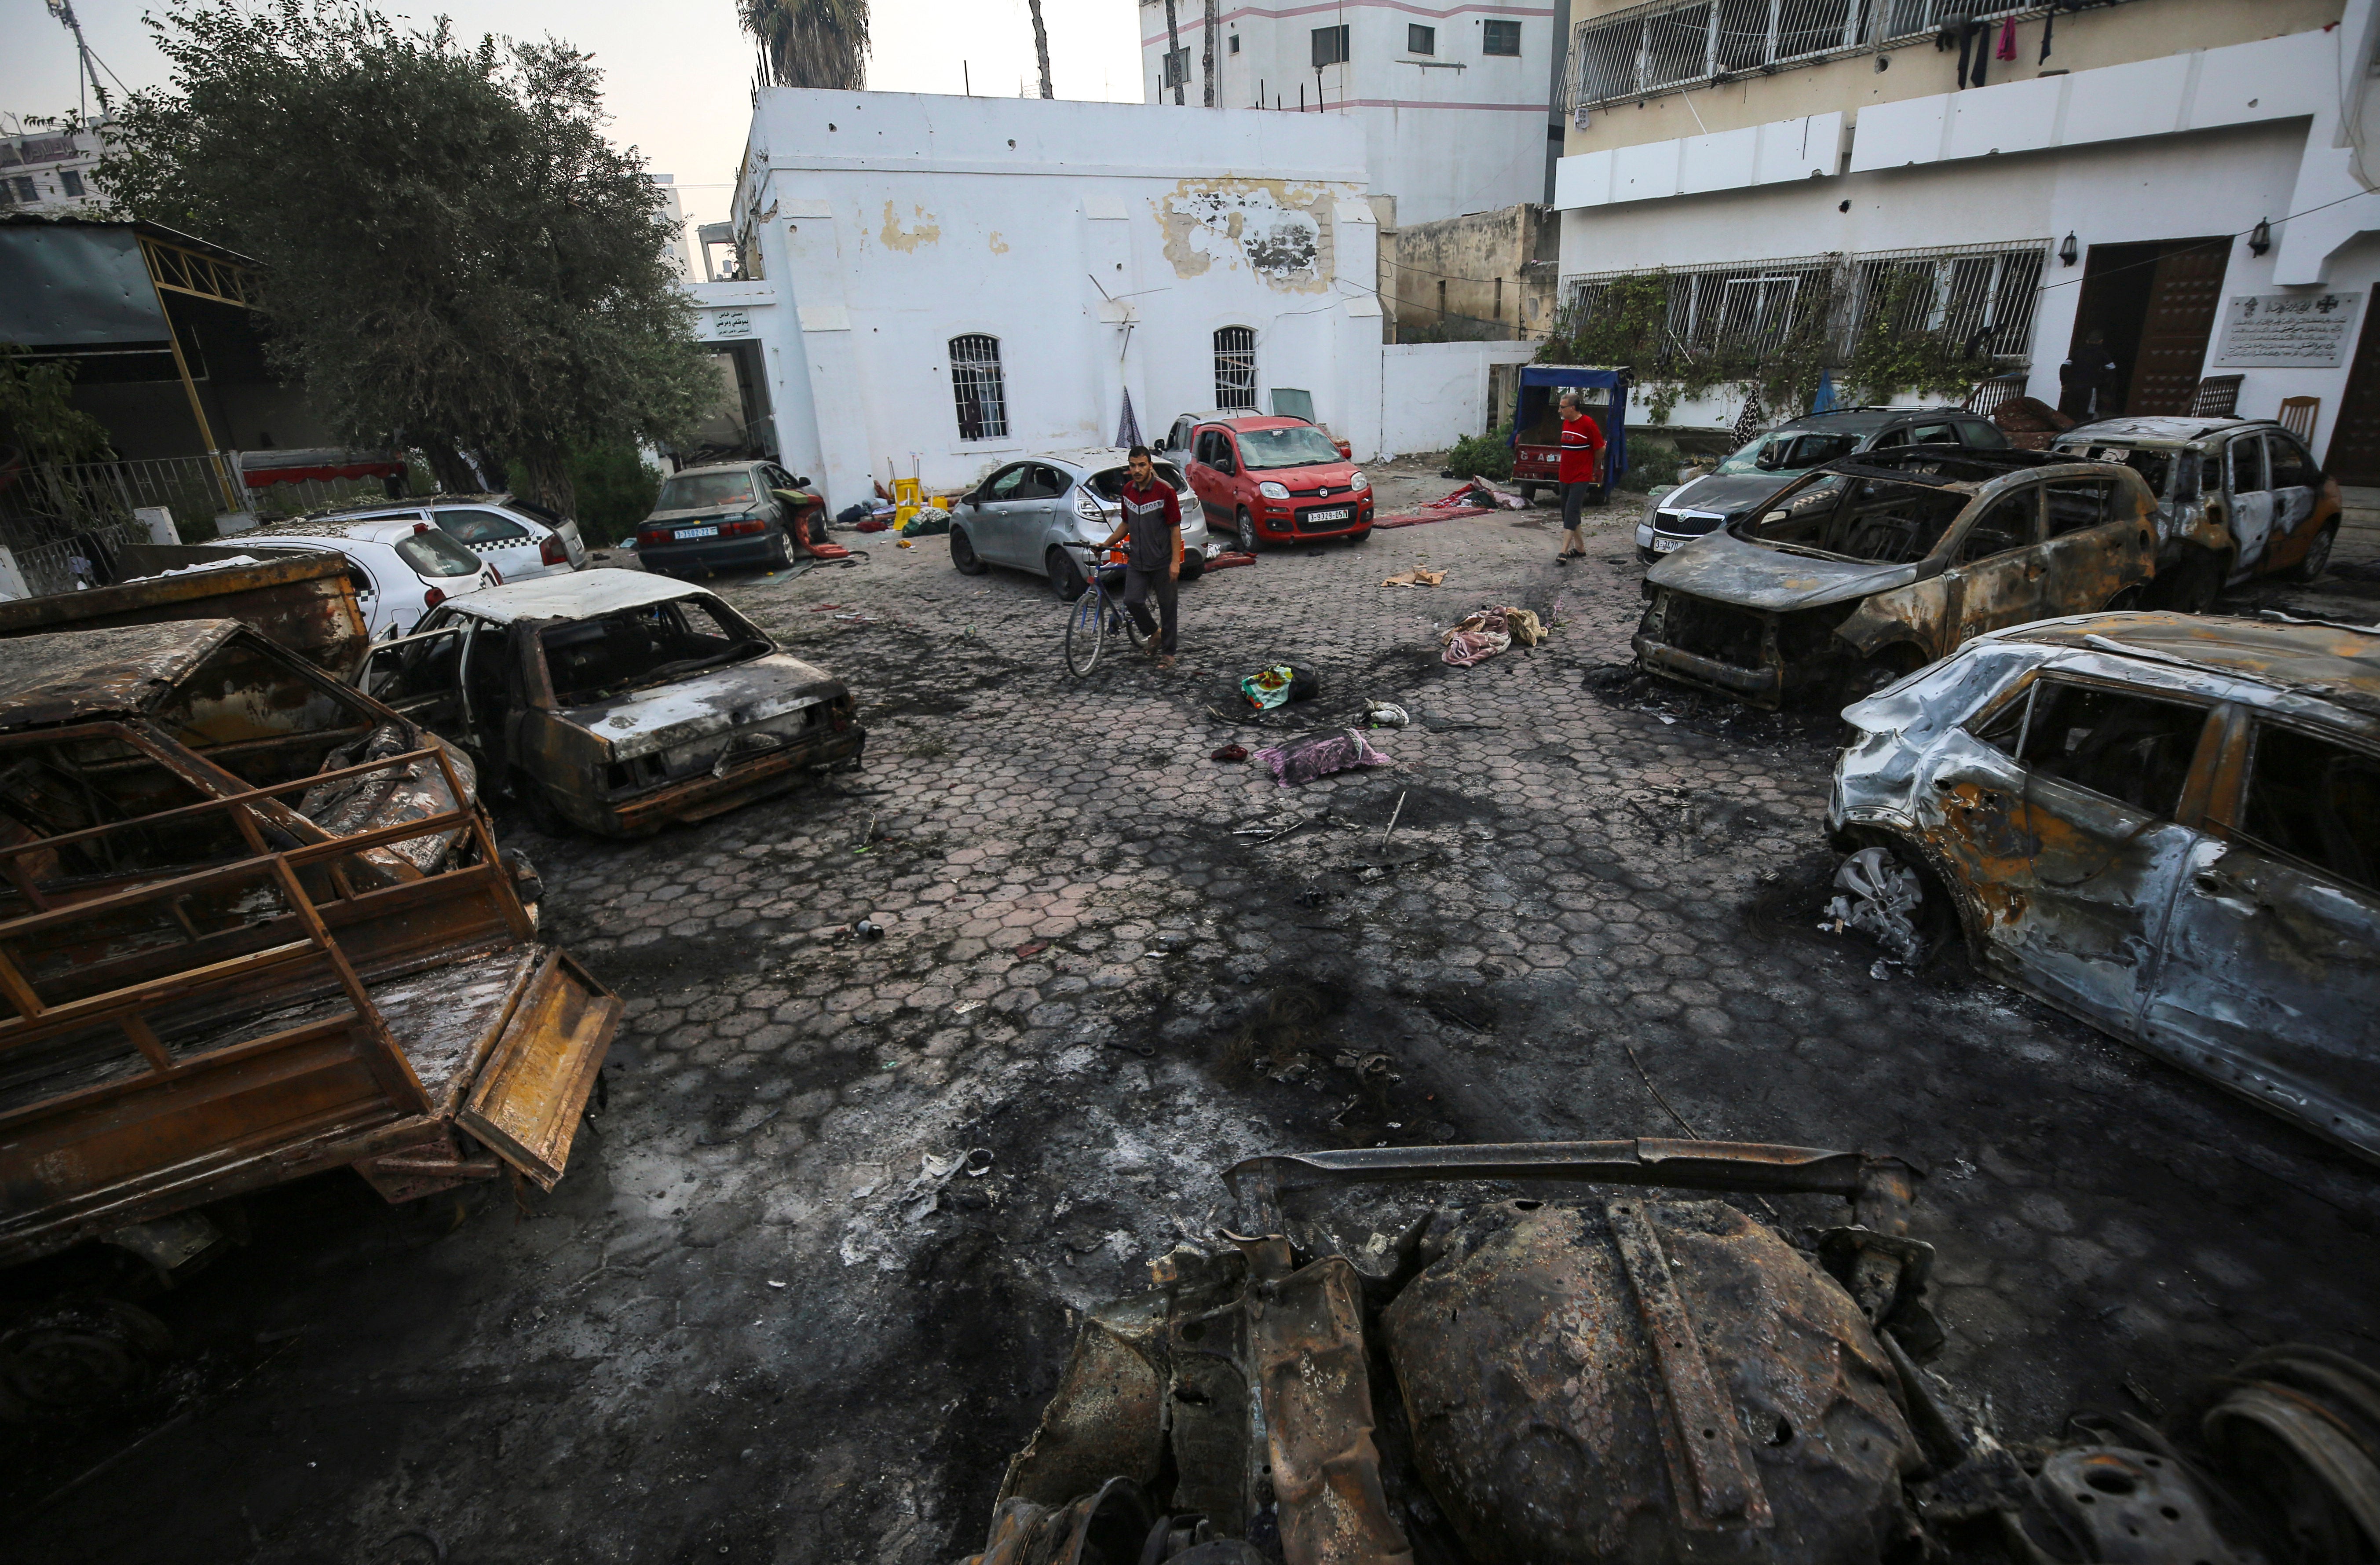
pixel 1031 947
pixel 1385 714
pixel 1229 558
pixel 930 521
pixel 1231 752
pixel 867 929
pixel 1420 575
pixel 1393 816
pixel 1882 894
pixel 1268 688
pixel 1310 755
pixel 1482 635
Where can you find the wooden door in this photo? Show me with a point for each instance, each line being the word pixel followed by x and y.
pixel 2182 298
pixel 2355 453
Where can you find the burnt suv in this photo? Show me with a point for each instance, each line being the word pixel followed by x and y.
pixel 1867 569
pixel 1740 485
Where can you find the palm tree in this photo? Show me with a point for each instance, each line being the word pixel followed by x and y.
pixel 1041 48
pixel 810 42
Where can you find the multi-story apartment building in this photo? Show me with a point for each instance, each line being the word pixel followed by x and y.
pixel 2173 194
pixel 1453 100
pixel 49 171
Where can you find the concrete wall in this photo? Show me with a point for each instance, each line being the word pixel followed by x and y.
pixel 1102 244
pixel 1452 132
pixel 2196 145
pixel 1432 394
pixel 1473 279
pixel 2082 41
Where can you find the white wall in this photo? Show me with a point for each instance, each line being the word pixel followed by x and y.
pixel 2190 146
pixel 1102 244
pixel 1432 393
pixel 1446 134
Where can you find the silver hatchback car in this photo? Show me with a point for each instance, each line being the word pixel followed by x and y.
pixel 1023 515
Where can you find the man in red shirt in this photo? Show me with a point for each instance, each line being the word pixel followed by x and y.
pixel 1153 521
pixel 1581 467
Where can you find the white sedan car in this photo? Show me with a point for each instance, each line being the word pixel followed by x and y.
pixel 402 566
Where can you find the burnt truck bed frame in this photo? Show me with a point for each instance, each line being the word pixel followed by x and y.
pixel 181 1039
pixel 304 601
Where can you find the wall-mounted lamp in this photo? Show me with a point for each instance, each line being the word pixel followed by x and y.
pixel 2068 252
pixel 2260 237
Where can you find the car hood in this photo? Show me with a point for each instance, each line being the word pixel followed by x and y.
pixel 1726 569
pixel 1332 473
pixel 1726 493
pixel 702 704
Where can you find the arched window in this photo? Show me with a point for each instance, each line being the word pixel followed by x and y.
pixel 975 382
pixel 1236 367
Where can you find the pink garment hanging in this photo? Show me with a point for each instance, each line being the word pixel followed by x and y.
pixel 2007 51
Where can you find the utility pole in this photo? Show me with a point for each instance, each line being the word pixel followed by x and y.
pixel 1041 47
pixel 1172 52
pixel 63 11
pixel 1214 97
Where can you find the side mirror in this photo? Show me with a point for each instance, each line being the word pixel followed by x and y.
pixel 801 483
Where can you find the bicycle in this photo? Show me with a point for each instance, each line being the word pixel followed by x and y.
pixel 1100 614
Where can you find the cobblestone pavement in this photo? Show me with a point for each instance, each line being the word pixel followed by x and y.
pixel 741 1330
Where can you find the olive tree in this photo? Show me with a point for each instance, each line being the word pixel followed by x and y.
pixel 456 255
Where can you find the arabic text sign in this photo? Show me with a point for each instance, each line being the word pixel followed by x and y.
pixel 2287 330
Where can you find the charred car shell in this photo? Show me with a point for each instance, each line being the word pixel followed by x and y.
pixel 2236 497
pixel 2165 825
pixel 619 700
pixel 1866 569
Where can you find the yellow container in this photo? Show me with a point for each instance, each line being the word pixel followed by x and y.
pixel 901 514
pixel 905 491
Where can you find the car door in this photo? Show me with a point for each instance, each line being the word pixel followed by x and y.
pixel 995 521
pixel 2269 979
pixel 496 537
pixel 1995 574
pixel 1053 495
pixel 1206 481
pixel 2105 803
pixel 420 675
pixel 2251 502
pixel 2096 545
pixel 2294 483
pixel 1982 434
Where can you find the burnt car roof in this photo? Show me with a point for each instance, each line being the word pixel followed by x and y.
pixel 1946 465
pixel 576 596
pixel 1863 420
pixel 68 676
pixel 2320 659
pixel 2158 430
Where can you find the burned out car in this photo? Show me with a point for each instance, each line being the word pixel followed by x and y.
pixel 253 926
pixel 2165 825
pixel 1512 1365
pixel 1867 569
pixel 2236 497
pixel 618 701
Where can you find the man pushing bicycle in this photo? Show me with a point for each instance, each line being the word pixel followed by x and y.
pixel 1152 522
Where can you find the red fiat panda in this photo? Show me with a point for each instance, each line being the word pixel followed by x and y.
pixel 1276 480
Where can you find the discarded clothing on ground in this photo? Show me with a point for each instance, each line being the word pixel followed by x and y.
pixel 1268 688
pixel 1310 755
pixel 930 521
pixel 1481 636
pixel 1420 575
pixel 1385 714
pixel 1479 494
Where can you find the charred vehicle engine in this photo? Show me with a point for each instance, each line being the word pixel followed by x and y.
pixel 1626 1376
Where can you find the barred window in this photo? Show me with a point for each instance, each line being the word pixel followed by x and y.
pixel 1236 367
pixel 976 383
pixel 1500 37
pixel 1329 45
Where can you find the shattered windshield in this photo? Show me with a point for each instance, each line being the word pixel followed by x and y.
pixel 595 659
pixel 1787 451
pixel 2157 467
pixel 1110 484
pixel 1876 519
pixel 695 491
pixel 1300 447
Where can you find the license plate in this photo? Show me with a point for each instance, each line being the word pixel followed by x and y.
pixel 1666 545
pixel 1341 515
pixel 696 532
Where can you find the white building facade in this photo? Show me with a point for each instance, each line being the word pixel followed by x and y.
pixel 51 171
pixel 2107 181
pixel 936 284
pixel 1454 100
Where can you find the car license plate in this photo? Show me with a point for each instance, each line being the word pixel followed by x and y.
pixel 1339 514
pixel 1665 545
pixel 696 532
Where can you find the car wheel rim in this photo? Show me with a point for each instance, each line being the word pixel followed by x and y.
pixel 2318 556
pixel 1248 536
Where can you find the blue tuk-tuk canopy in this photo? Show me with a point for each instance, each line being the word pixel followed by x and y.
pixel 1539 386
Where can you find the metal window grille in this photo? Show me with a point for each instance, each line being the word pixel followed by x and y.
pixel 1499 37
pixel 1982 296
pixel 1329 47
pixel 1236 367
pixel 1668 45
pixel 976 383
